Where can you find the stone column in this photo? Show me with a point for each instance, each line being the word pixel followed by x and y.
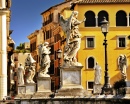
pixel 96 18
pixel 3 54
pixel 3 3
pixel 128 21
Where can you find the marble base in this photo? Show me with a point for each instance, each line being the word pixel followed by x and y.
pixel 71 77
pixel 21 89
pixel 71 82
pixel 44 84
pixel 97 88
pixel 30 88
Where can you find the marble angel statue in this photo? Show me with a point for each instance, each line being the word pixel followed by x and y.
pixel 30 69
pixel 44 52
pixel 29 60
pixel 122 66
pixel 73 40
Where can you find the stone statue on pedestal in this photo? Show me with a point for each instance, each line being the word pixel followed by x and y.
pixel 71 68
pixel 20 74
pixel 97 79
pixel 73 40
pixel 30 68
pixel 44 52
pixel 122 66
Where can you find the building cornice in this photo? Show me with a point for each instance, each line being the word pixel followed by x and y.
pixel 101 1
pixel 31 36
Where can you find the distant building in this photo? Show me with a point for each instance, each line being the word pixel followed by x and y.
pixel 26 45
pixel 35 38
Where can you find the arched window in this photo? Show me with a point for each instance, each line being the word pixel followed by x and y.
pixel 129 19
pixel 121 19
pixel 90 19
pixel 90 62
pixel 102 14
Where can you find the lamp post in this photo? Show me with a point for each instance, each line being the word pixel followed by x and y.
pixel 106 89
pixel 59 56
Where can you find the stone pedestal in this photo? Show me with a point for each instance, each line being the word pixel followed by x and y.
pixel 30 88
pixel 71 82
pixel 21 89
pixel 44 84
pixel 97 88
pixel 71 77
pixel 43 88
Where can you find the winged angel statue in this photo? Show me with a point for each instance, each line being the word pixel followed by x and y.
pixel 73 40
pixel 44 52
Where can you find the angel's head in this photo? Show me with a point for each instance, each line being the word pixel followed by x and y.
pixel 75 13
pixel 46 43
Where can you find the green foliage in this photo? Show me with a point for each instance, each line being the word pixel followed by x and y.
pixel 20 49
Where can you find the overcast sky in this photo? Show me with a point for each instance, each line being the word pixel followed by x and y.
pixel 26 17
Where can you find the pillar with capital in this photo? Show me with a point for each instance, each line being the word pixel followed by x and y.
pixel 3 49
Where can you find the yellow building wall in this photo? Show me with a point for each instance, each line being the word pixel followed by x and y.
pixel 98 52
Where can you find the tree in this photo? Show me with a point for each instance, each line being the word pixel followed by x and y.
pixel 21 49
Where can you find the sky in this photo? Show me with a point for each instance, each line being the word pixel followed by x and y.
pixel 26 17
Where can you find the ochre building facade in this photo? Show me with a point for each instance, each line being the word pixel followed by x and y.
pixel 117 12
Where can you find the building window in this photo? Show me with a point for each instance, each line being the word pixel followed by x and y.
pixel 102 14
pixel 33 47
pixel 129 19
pixel 121 19
pixel 90 19
pixel 90 42
pixel 121 42
pixel 90 62
pixel 90 85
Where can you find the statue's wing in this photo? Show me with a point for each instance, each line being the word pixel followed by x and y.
pixel 63 23
pixel 66 26
pixel 69 21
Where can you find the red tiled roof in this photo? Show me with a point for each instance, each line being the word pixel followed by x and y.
pixel 101 1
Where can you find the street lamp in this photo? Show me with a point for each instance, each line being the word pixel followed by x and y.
pixel 106 89
pixel 59 56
